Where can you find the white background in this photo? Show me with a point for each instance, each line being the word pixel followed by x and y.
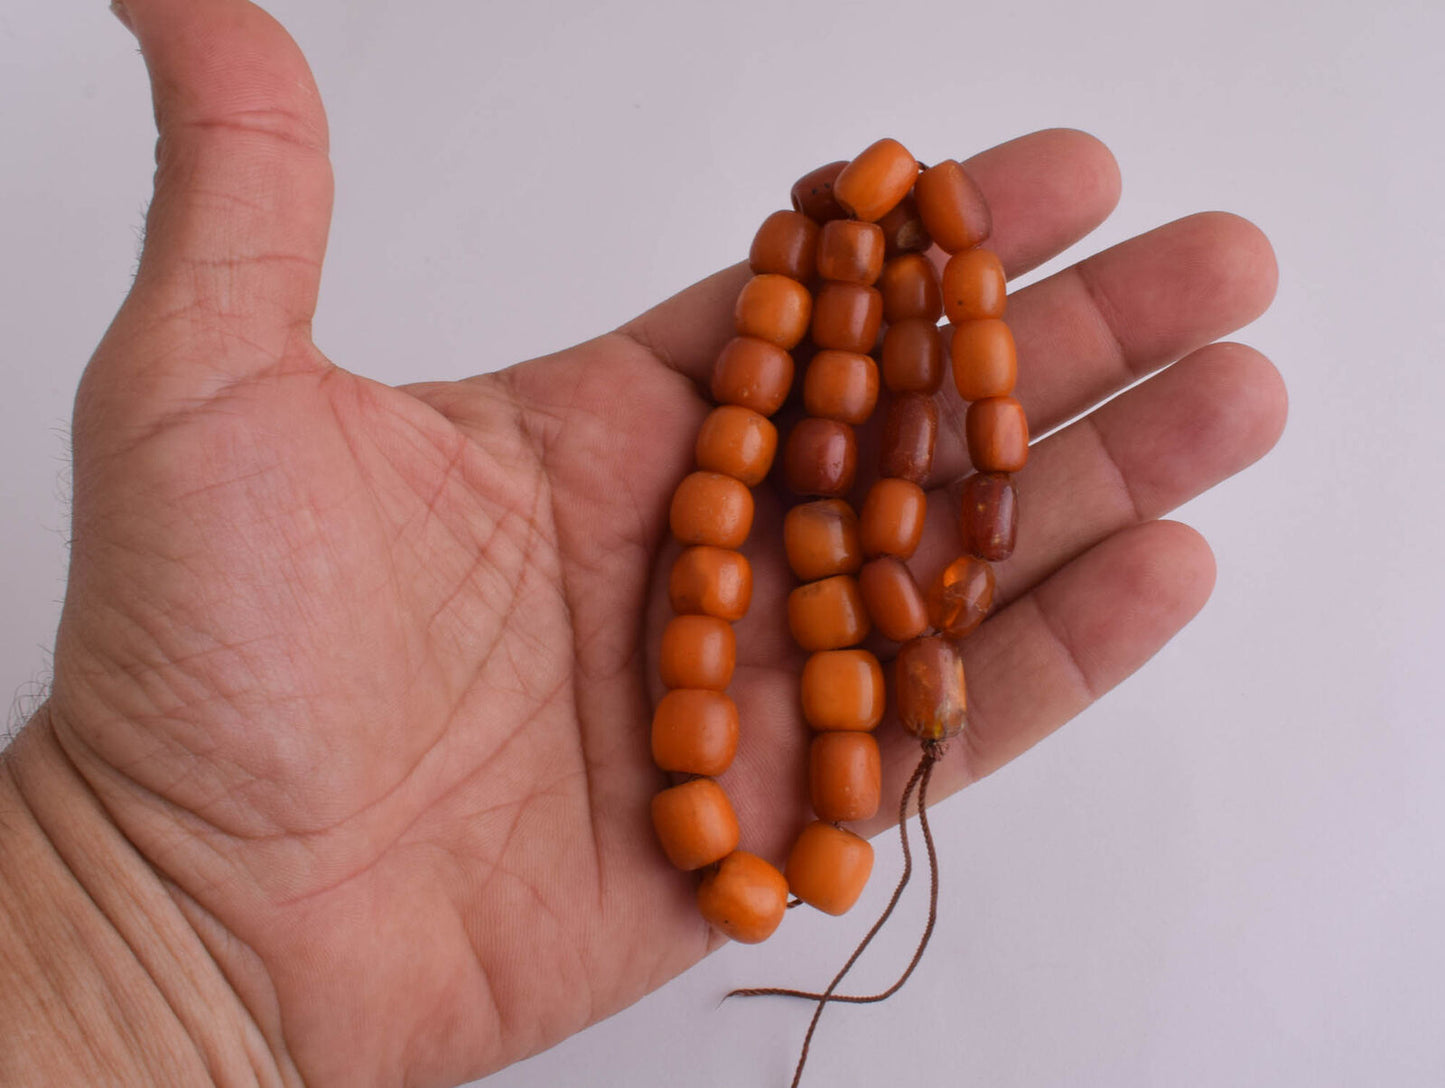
pixel 1228 872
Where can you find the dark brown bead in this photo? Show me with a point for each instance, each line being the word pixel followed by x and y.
pixel 787 244
pixel 909 432
pixel 847 317
pixel 932 699
pixel 821 539
pixel 850 252
pixel 813 194
pixel 998 434
pixel 841 385
pixel 961 596
pixel 953 209
pixel 820 458
pixel 913 357
pixel 989 515
pixel 752 373
pixel 903 230
pixel 910 288
pixel 895 603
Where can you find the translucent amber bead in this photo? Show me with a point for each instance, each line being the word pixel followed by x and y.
pixel 974 286
pixel 903 230
pixel 786 244
pixel 989 515
pixel 845 776
pixel 850 251
pixel 773 308
pixel 697 652
pixel 891 522
pixel 843 690
pixel 875 182
pixel 710 508
pixel 929 688
pixel 737 442
pixel 744 897
pixel 752 373
pixel 813 193
pixel 913 358
pixel 695 823
pixel 985 363
pixel 909 286
pixel 953 209
pixel 821 539
pixel 841 385
pixel 998 434
pixel 694 732
pixel 713 581
pixel 910 430
pixel 828 614
pixel 828 867
pixel 847 317
pixel 894 601
pixel 820 457
pixel 960 597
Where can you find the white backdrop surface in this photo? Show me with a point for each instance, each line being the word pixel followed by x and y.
pixel 1231 870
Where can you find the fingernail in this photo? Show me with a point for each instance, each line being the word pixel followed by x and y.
pixel 118 10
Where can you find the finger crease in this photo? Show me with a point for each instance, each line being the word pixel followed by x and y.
pixel 1121 479
pixel 1107 315
pixel 1056 631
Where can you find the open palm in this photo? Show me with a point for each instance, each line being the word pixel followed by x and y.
pixel 364 673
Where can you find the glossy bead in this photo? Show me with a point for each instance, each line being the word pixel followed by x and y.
pixel 910 288
pixel 712 581
pixel 891 521
pixel 932 701
pixel 985 363
pixel 953 209
pixel 998 434
pixel 909 432
pixel 737 442
pixel 847 317
pixel 813 193
pixel 841 385
pixel 752 373
pixel 973 286
pixel 710 508
pixel 872 185
pixel 828 867
pixel 850 251
pixel 894 601
pixel 845 776
pixel 694 732
pixel 821 539
pixel 786 244
pixel 697 652
pixel 773 308
pixel 903 230
pixel 695 823
pixel 913 358
pixel 843 690
pixel 960 597
pixel 989 514
pixel 820 457
pixel 828 614
pixel 744 897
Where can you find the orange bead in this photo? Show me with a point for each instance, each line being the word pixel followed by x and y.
pixel 694 732
pixel 973 286
pixel 953 209
pixel 843 690
pixel 903 230
pixel 710 508
pixel 998 434
pixel 786 244
pixel 909 432
pixel 891 522
pixel 752 373
pixel 821 539
pixel 913 359
pixel 850 251
pixel 985 363
pixel 820 458
pixel 695 823
pixel 872 185
pixel 910 288
pixel 894 601
pixel 847 317
pixel 713 581
pixel 829 867
pixel 827 615
pixel 773 308
pixel 697 652
pixel 841 385
pixel 737 442
pixel 989 515
pixel 961 597
pixel 813 193
pixel 744 897
pixel 845 776
pixel 929 688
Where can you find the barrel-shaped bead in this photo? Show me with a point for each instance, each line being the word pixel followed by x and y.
pixel 813 193
pixel 694 732
pixel 960 597
pixel 998 434
pixel 695 823
pixel 913 356
pixel 850 251
pixel 843 690
pixel 891 521
pixel 737 442
pixel 841 385
pixel 910 430
pixel 847 316
pixel 985 362
pixel 875 182
pixel 786 244
pixel 773 308
pixel 828 614
pixel 821 539
pixel 710 508
pixel 845 776
pixel 697 652
pixel 929 688
pixel 752 373
pixel 895 603
pixel 974 286
pixel 744 897
pixel 711 581
pixel 989 515
pixel 828 867
pixel 820 457
pixel 953 209
pixel 910 288
pixel 903 229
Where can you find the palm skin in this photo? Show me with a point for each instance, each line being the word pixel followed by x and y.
pixel 365 674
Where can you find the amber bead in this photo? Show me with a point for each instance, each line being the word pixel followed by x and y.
pixel 895 603
pixel 744 897
pixel 821 539
pixel 847 317
pixel 786 244
pixel 820 457
pixel 710 508
pixel 843 690
pixel 850 251
pixel 910 288
pixel 929 687
pixel 773 308
pixel 813 193
pixel 695 823
pixel 694 732
pixel 845 776
pixel 961 596
pixel 913 357
pixel 909 432
pixel 828 867
pixel 872 185
pixel 989 514
pixel 828 614
pixel 953 209
pixel 998 434
pixel 841 385
pixel 713 581
pixel 697 652
pixel 973 286
pixel 985 363
pixel 737 442
pixel 891 521
pixel 752 373
pixel 903 230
